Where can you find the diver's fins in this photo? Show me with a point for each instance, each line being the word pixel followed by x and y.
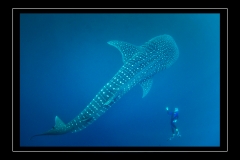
pixel 178 135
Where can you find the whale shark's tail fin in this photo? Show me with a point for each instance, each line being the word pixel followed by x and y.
pixel 59 123
pixel 58 128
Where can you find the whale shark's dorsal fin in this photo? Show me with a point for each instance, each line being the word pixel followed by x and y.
pixel 127 49
pixel 59 122
pixel 146 86
pixel 111 100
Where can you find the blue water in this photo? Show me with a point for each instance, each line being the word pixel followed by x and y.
pixel 65 60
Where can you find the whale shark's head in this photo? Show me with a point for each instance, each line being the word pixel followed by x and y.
pixel 164 49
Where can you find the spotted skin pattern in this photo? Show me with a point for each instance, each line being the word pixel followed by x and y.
pixel 141 63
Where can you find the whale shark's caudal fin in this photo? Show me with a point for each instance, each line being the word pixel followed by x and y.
pixel 59 123
pixel 58 128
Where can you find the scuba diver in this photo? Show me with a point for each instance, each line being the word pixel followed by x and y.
pixel 174 118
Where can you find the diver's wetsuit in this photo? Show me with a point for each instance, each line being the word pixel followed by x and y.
pixel 174 117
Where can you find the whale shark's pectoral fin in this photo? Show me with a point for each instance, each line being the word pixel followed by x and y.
pixel 127 49
pixel 146 86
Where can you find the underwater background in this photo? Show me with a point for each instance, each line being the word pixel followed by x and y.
pixel 65 60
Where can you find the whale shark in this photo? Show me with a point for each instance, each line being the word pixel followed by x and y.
pixel 140 64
